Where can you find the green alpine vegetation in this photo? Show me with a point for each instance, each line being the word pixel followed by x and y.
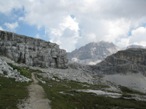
pixel 64 95
pixel 11 93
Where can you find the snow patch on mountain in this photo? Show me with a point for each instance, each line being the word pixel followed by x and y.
pixel 92 53
pixel 104 93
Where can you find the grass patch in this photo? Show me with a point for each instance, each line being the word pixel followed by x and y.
pixel 23 70
pixel 11 92
pixel 63 95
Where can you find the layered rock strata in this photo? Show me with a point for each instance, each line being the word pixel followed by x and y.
pixel 31 51
pixel 130 60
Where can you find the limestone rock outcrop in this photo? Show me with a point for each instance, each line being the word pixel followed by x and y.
pixel 131 60
pixel 8 72
pixel 31 51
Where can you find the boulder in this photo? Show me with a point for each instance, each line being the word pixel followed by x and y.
pixel 9 72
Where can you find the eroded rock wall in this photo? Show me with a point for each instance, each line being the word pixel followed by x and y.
pixel 31 51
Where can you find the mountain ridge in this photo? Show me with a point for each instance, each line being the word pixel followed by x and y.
pixel 132 60
pixel 92 53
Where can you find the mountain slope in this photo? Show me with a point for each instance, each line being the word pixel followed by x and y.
pixel 130 60
pixel 92 53
pixel 126 68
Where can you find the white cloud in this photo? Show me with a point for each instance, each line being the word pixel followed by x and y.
pixel 138 36
pixel 1 28
pixel 108 30
pixel 37 36
pixel 123 42
pixel 117 28
pixel 70 23
pixel 66 34
pixel 11 26
pixel 73 23
pixel 7 6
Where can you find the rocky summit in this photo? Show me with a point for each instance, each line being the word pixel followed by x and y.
pixel 92 53
pixel 31 51
pixel 131 60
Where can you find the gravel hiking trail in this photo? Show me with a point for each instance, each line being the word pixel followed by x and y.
pixel 37 99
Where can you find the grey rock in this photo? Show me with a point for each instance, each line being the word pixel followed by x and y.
pixel 7 71
pixel 92 53
pixel 130 60
pixel 31 51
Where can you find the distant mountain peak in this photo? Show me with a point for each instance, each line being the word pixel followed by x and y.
pixel 93 52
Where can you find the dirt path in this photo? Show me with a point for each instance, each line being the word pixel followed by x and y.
pixel 36 98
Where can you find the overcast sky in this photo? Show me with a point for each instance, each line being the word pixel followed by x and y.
pixel 73 23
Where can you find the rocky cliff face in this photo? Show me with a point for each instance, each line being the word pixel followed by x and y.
pixel 130 60
pixel 32 52
pixel 92 53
